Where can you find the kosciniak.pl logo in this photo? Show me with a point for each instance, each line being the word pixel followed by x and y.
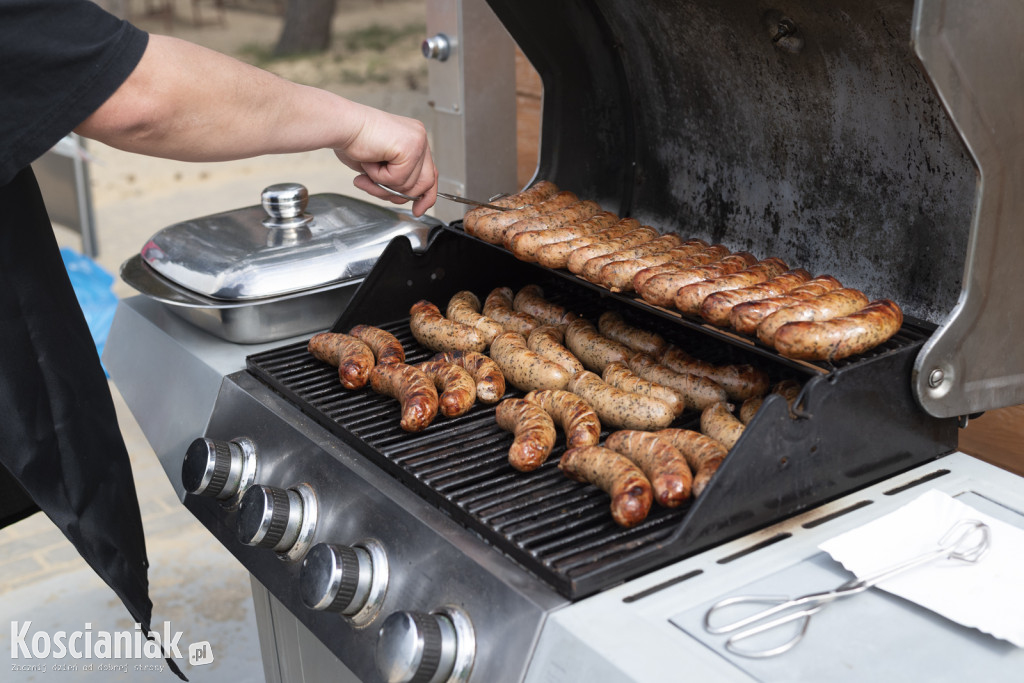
pixel 89 644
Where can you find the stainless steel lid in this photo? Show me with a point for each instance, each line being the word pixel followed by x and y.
pixel 291 243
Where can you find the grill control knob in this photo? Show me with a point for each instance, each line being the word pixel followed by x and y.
pixel 219 469
pixel 283 520
pixel 414 647
pixel 351 580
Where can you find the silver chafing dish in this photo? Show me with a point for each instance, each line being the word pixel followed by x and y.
pixel 267 272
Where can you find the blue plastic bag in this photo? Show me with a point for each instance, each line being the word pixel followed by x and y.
pixel 92 287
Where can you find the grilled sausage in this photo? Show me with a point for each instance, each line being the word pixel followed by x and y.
pixel 718 422
pixel 575 416
pixel 745 317
pixel 413 389
pixel 618 408
pixel 593 349
pixel 787 388
pixel 490 383
pixel 523 368
pixel 526 244
pixel 556 255
pixel 660 290
pixel 739 381
pixel 664 466
pixel 580 256
pixel 611 325
pixel 614 474
pixel 840 337
pixel 438 333
pixel 621 377
pixel 569 215
pixel 702 453
pixel 530 300
pixel 834 304
pixel 698 392
pixel 464 307
pixel 715 252
pixel 457 386
pixel 385 346
pixel 618 275
pixel 540 191
pixel 534 432
pixel 353 358
pixel 689 298
pixel 716 307
pixel 592 268
pixel 498 307
pixel 547 340
pixel 491 227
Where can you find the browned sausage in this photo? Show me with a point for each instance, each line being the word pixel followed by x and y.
pixel 464 307
pixel 834 304
pixel 593 349
pixel 840 337
pixel 660 290
pixel 575 416
pixel 698 392
pixel 556 255
pixel 664 466
pixel 715 252
pixel 718 422
pixel 525 245
pixel 530 300
pixel 689 298
pixel 745 317
pixel 534 432
pixel 621 377
pixel 592 268
pixel 547 340
pixel 569 215
pixel 618 408
pixel 640 235
pixel 540 191
pixel 716 306
pixel 611 325
pixel 618 275
pixel 498 307
pixel 787 388
pixel 413 389
pixel 703 454
pixel 353 358
pixel 457 386
pixel 437 333
pixel 739 381
pixel 490 383
pixel 523 368
pixel 491 227
pixel 385 346
pixel 614 474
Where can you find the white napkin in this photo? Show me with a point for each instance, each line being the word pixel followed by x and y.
pixel 987 595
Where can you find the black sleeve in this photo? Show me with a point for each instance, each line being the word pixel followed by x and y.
pixel 59 61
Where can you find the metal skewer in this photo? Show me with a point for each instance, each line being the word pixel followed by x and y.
pixel 966 541
pixel 451 197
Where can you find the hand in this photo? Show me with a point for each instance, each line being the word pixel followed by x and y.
pixel 392 150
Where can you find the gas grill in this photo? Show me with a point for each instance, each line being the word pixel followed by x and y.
pixel 845 138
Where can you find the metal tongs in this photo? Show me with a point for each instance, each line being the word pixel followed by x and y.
pixel 453 198
pixel 966 541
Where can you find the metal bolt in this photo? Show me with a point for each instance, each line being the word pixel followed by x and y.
pixel 935 378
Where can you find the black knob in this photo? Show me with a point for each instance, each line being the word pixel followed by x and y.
pixel 335 578
pixel 269 517
pixel 207 465
pixel 413 647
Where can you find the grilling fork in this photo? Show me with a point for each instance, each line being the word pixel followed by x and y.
pixel 967 541
pixel 452 198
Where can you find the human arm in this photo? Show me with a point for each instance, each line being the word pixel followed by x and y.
pixel 189 103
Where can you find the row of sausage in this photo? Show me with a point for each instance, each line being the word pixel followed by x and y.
pixel 822 320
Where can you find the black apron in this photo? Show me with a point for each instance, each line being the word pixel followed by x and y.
pixel 61 449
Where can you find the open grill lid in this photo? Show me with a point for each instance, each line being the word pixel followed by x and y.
pixel 810 131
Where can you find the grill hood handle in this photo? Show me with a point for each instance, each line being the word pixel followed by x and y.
pixel 970 51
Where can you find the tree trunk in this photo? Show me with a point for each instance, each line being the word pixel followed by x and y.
pixel 307 27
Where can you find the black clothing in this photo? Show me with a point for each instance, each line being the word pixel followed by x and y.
pixel 61 449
